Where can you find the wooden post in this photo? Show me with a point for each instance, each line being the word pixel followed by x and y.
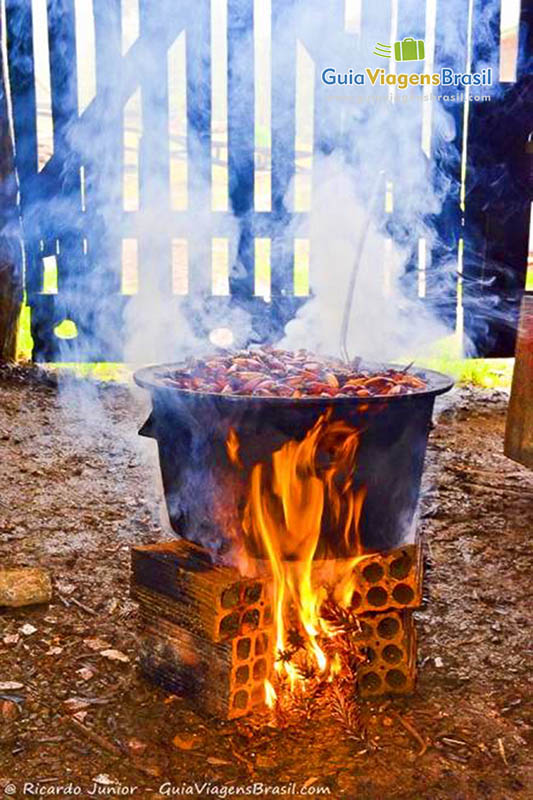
pixel 10 242
pixel 519 431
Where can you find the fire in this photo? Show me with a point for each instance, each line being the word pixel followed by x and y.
pixel 306 486
pixel 270 694
pixel 232 446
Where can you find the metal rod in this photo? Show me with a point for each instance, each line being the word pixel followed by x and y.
pixel 359 250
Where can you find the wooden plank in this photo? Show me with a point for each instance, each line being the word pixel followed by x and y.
pixel 10 245
pixel 22 84
pixel 241 138
pixel 411 22
pixel 154 241
pixel 63 185
pixel 104 164
pixel 283 146
pixel 198 58
pixel 519 429
pixel 450 51
pixel 97 137
pixel 102 161
pixel 525 41
pixel 497 205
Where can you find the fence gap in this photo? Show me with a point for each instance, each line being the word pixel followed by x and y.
pixel 130 266
pixel 220 266
pixel 509 39
pixel 459 319
pixel 422 265
pixel 132 138
pixel 49 275
pixel 43 92
pixel 262 268
pixel 180 266
pixel 85 52
pixel 301 267
pixel 466 106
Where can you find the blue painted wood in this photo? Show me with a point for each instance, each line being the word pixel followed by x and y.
pixel 51 200
pixel 497 198
pixel 446 150
pixel 22 81
pixel 241 140
pixel 154 240
pixel 198 55
pixel 411 23
pixel 283 148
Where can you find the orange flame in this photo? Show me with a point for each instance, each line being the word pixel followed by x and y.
pixel 270 694
pixel 232 447
pixel 283 518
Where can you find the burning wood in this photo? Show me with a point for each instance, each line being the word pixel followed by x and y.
pixel 188 645
pixel 267 372
pixel 318 603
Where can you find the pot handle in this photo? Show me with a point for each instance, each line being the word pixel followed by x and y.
pixel 148 429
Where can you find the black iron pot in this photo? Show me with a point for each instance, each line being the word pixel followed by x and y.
pixel 205 494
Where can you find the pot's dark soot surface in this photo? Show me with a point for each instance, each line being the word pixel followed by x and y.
pixel 205 494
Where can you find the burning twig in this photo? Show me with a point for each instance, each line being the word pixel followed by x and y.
pixel 295 639
pixel 285 656
pixel 306 671
pixel 345 710
pixel 307 703
pixel 341 619
pixel 296 643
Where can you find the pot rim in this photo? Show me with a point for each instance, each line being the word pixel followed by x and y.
pixel 438 383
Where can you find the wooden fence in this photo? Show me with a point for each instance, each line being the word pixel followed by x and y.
pixel 123 106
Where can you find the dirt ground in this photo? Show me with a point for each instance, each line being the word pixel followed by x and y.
pixel 78 487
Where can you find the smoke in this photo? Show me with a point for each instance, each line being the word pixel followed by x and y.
pixel 385 322
pixel 374 140
pixel 360 133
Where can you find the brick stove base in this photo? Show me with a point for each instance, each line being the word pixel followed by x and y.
pixel 206 632
pixel 390 639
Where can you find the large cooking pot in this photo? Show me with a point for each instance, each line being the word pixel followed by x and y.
pixel 205 494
